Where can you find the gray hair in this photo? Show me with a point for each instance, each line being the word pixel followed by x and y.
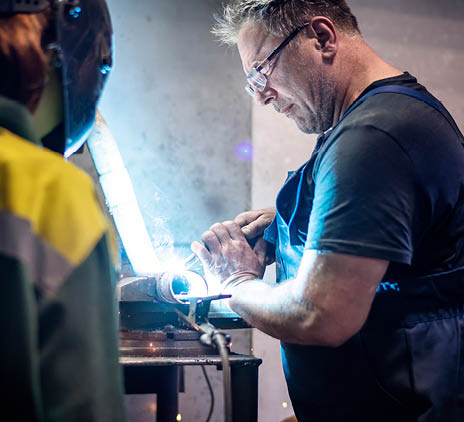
pixel 280 17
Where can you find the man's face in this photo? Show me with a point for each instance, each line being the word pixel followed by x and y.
pixel 297 82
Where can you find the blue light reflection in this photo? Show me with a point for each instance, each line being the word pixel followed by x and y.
pixel 244 150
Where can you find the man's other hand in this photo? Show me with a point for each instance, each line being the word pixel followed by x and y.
pixel 253 223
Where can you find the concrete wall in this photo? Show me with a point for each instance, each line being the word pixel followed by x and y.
pixel 177 108
pixel 425 37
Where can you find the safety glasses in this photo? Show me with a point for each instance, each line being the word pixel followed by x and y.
pixel 256 79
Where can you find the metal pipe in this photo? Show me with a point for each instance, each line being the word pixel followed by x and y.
pixel 173 287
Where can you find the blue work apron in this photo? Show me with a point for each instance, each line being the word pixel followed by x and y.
pixel 404 363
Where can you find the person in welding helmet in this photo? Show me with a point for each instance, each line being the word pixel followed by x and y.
pixel 368 235
pixel 59 354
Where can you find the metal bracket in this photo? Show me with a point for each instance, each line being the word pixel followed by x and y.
pixel 197 318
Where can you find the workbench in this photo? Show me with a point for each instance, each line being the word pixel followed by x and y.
pixel 160 375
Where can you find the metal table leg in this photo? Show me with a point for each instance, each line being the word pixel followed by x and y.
pixel 161 380
pixel 244 380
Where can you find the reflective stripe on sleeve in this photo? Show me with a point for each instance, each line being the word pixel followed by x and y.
pixel 46 267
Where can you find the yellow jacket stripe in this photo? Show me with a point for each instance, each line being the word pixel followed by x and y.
pixel 56 198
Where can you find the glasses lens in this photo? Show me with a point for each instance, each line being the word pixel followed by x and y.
pixel 250 91
pixel 256 80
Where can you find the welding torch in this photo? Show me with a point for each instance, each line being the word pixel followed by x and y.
pixel 178 287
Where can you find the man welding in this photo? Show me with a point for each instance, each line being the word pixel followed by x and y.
pixel 58 321
pixel 368 234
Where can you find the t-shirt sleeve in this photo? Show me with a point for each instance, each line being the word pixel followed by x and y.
pixel 365 196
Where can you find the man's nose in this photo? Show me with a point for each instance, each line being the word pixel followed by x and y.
pixel 265 97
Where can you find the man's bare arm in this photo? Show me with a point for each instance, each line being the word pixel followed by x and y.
pixel 325 304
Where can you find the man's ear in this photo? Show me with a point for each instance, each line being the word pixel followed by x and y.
pixel 323 31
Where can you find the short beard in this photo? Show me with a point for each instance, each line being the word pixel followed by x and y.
pixel 321 116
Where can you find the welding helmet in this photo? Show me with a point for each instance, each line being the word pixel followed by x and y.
pixel 83 35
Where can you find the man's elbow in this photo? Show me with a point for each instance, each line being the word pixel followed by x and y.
pixel 336 338
pixel 328 332
pixel 329 338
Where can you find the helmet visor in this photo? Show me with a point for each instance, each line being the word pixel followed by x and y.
pixel 84 35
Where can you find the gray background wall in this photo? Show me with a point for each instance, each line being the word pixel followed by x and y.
pixel 176 105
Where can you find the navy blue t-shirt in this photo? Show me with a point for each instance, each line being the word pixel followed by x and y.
pixel 389 184
pixel 386 183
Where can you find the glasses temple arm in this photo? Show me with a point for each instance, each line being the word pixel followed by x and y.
pixel 281 46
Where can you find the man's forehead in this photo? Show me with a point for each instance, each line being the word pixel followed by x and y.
pixel 254 45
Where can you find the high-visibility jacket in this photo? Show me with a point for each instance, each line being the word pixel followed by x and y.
pixel 58 319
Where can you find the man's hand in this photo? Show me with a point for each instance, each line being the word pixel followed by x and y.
pixel 227 256
pixel 253 223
